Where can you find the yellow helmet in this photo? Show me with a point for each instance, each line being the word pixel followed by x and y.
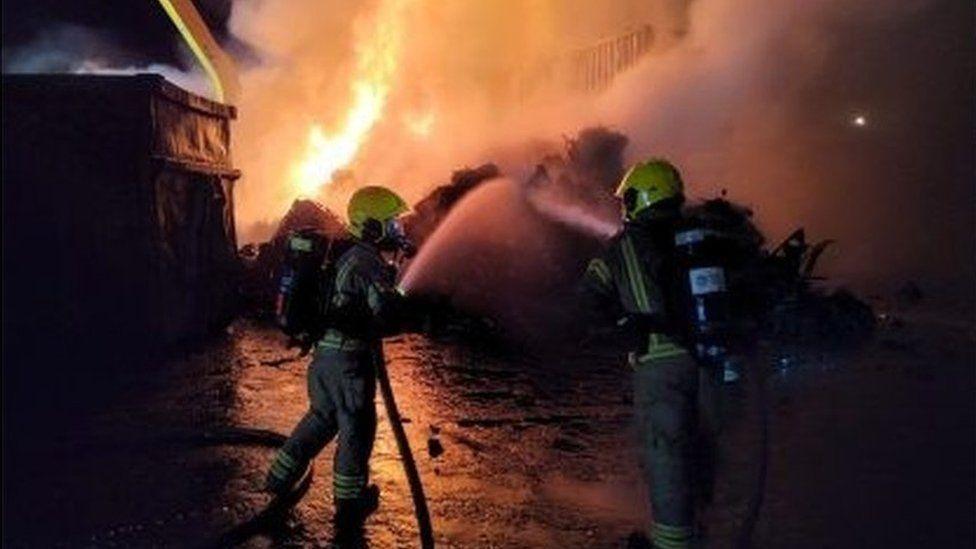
pixel 648 183
pixel 377 203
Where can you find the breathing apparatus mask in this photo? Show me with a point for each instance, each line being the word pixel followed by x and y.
pixel 389 236
pixel 395 238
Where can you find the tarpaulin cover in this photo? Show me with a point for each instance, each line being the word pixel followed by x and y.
pixel 188 134
pixel 118 205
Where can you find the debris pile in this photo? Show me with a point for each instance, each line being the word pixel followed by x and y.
pixel 792 304
pixel 575 186
pixel 777 293
pixel 596 155
pixel 308 214
pixel 526 272
pixel 430 211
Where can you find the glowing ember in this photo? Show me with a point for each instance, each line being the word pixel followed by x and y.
pixel 377 55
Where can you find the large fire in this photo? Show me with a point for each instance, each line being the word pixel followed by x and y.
pixel 401 92
pixel 377 54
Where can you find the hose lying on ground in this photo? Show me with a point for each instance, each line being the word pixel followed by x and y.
pixel 279 505
pixel 409 465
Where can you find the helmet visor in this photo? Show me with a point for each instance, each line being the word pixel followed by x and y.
pixel 393 230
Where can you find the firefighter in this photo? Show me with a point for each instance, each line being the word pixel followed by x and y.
pixel 342 376
pixel 636 284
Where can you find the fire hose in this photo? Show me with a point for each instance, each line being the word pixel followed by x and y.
pixel 406 455
pixel 744 538
pixel 274 510
pixel 279 505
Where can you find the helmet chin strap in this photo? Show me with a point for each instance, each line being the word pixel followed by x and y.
pixel 397 244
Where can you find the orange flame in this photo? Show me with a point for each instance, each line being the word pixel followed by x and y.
pixel 377 55
pixel 419 124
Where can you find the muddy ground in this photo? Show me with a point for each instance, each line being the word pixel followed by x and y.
pixel 871 447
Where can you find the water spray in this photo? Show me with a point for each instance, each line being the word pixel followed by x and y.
pixel 541 195
pixel 574 217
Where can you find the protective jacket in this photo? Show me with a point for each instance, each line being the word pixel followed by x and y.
pixel 342 376
pixel 636 283
pixel 366 304
pixel 638 280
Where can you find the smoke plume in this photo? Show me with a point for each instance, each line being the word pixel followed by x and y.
pixel 850 118
pixel 82 50
pixel 468 86
pixel 853 119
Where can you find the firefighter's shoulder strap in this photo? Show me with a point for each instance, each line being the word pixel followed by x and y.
pixel 647 298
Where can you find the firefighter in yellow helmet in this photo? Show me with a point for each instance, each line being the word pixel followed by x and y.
pixel 632 285
pixel 342 376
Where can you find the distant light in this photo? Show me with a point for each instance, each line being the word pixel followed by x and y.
pixel 859 120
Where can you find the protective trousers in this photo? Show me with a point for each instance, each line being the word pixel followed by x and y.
pixel 676 403
pixel 341 392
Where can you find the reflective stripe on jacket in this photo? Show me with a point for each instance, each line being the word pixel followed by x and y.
pixel 364 287
pixel 627 279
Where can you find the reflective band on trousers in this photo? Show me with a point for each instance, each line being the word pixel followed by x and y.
pixel 659 347
pixel 635 276
pixel 347 486
pixel 284 466
pixel 664 536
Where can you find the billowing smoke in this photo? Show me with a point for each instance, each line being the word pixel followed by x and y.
pixel 83 50
pixel 470 83
pixel 850 118
pixel 853 118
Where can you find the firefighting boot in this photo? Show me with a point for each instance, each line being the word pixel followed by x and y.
pixel 351 513
pixel 638 540
pixel 370 501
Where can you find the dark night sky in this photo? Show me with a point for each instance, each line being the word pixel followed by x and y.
pixel 139 30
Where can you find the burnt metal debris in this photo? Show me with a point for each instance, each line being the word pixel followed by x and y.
pixel 777 291
pixel 428 213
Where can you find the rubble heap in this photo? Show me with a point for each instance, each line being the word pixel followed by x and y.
pixel 308 214
pixel 776 293
pixel 431 210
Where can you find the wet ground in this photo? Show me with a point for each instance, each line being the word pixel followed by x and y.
pixel 871 447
